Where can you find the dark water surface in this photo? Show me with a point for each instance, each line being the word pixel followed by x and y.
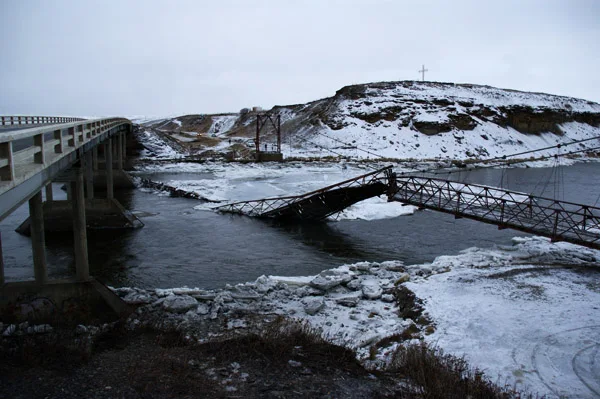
pixel 182 246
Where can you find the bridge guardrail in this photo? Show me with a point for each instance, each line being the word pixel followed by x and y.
pixel 20 120
pixel 22 152
pixel 558 220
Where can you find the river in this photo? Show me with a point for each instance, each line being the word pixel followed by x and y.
pixel 181 245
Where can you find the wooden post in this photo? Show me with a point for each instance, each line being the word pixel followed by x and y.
pixel 79 228
pixel 38 244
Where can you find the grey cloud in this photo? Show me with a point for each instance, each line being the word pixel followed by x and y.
pixel 166 57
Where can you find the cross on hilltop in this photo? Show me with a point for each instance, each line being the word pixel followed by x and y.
pixel 422 71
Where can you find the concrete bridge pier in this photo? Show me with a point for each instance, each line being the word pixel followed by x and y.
pixel 108 162
pixel 119 144
pixel 95 158
pixel 69 154
pixel 89 175
pixel 112 152
pixel 38 241
pixel 1 263
pixel 102 210
pixel 79 228
pixel 49 193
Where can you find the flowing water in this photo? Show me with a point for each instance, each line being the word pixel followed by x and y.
pixel 180 245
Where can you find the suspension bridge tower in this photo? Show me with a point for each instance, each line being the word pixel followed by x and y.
pixel 268 138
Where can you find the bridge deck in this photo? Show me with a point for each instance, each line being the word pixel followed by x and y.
pixel 558 220
pixel 316 205
pixel 35 150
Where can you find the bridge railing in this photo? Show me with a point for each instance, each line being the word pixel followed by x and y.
pixel 263 206
pixel 23 152
pixel 20 120
pixel 559 220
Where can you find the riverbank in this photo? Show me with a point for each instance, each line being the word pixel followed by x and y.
pixel 278 358
pixel 516 313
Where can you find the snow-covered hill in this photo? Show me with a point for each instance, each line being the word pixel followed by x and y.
pixel 419 120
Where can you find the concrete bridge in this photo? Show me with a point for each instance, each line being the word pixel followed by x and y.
pixel 36 150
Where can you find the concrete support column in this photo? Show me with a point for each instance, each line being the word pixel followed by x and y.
pixel 120 151
pixel 38 243
pixel 79 228
pixel 1 262
pixel 108 160
pixel 124 146
pixel 89 175
pixel 49 194
pixel 95 158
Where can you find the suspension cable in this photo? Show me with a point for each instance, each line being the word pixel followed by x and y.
pixel 500 160
pixel 435 171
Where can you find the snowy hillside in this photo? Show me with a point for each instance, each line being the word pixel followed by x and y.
pixel 419 120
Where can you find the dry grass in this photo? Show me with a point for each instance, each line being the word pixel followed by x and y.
pixel 434 374
pixel 166 364
pixel 281 339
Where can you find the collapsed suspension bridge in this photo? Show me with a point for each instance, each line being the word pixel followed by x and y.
pixel 557 220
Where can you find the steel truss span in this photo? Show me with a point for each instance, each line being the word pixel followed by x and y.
pixel 557 220
pixel 319 204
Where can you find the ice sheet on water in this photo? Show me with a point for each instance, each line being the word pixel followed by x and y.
pixel 233 182
pixel 374 209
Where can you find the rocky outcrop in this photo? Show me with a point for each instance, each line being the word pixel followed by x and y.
pixel 397 118
pixel 464 107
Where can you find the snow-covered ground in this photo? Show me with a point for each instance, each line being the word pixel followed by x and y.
pixel 527 315
pixel 520 315
pixel 399 120
pixel 156 148
pixel 486 140
pixel 221 124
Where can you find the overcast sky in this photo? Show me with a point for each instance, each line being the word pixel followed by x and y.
pixel 152 57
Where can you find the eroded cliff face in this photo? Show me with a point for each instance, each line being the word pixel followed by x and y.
pixel 411 119
pixel 433 108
